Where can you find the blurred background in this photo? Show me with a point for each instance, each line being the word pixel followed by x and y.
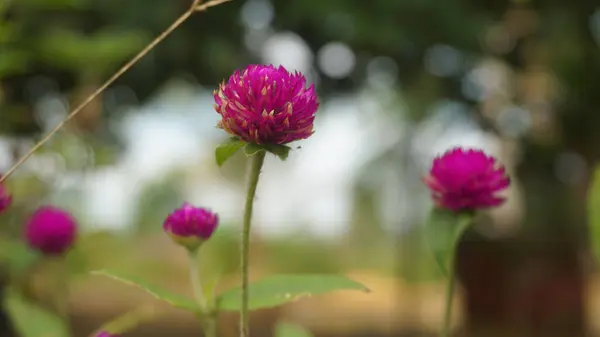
pixel 399 82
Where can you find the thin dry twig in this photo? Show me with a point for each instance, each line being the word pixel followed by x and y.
pixel 195 7
pixel 203 7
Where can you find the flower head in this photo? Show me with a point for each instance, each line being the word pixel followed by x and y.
pixel 190 226
pixel 5 199
pixel 463 180
pixel 51 230
pixel 266 105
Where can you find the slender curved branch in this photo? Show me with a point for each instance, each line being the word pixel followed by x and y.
pixel 196 6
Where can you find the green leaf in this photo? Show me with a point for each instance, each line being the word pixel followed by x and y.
pixel 281 151
pixel 23 313
pixel 129 320
pixel 443 231
pixel 280 289
pixel 176 300
pixel 227 149
pixel 286 329
pixel 593 209
pixel 252 149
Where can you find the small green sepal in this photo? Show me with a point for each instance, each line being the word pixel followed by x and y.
pixel 281 151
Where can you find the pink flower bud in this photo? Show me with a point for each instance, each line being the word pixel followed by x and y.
pixel 51 230
pixel 190 226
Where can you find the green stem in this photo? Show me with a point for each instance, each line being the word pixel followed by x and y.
pixel 256 163
pixel 207 318
pixel 464 221
pixel 195 281
pixel 61 297
pixel 210 326
pixel 448 303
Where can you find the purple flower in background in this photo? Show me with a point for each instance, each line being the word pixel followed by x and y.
pixel 105 334
pixel 462 180
pixel 266 105
pixel 5 199
pixel 190 226
pixel 51 230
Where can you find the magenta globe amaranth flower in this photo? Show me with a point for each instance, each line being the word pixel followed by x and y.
pixel 51 230
pixel 266 105
pixel 464 180
pixel 5 199
pixel 190 226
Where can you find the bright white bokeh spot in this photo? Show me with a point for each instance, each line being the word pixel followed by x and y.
pixel 6 156
pixel 382 71
pixel 336 60
pixel 289 50
pixel 489 77
pixel 111 196
pixel 255 39
pixel 50 110
pixel 514 121
pixel 443 60
pixel 257 14
pixel 448 126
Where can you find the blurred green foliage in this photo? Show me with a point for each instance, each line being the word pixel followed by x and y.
pixel 31 320
pixel 99 54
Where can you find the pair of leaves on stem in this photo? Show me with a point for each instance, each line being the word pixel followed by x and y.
pixel 266 293
pixel 227 149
